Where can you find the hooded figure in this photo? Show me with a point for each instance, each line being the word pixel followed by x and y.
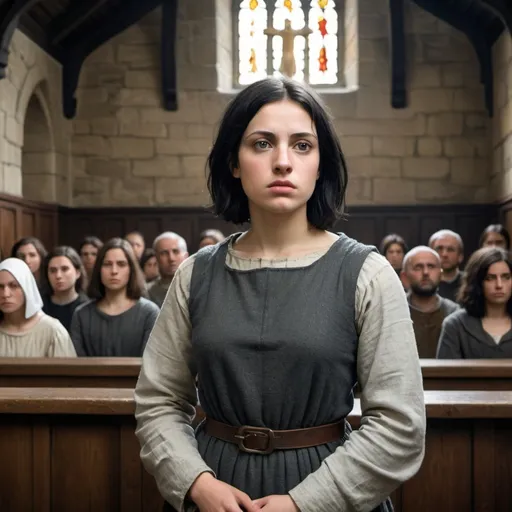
pixel 39 335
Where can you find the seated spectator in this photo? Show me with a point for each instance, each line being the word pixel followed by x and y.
pixel 171 250
pixel 482 329
pixel 210 237
pixel 66 281
pixel 136 240
pixel 118 321
pixel 32 251
pixel 495 235
pixel 393 248
pixel 450 248
pixel 89 252
pixel 149 265
pixel 422 274
pixel 25 331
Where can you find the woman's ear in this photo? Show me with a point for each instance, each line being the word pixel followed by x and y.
pixel 235 171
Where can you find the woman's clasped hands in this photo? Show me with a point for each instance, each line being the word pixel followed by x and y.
pixel 212 495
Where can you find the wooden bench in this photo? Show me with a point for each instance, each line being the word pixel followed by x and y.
pixel 75 449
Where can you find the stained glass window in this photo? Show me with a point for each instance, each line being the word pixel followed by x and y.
pixel 296 38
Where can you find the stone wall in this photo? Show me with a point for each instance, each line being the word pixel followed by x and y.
pixel 34 136
pixel 128 150
pixel 501 180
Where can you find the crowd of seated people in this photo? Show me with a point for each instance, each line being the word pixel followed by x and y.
pixel 103 299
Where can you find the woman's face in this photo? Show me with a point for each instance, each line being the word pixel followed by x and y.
pixel 495 240
pixel 62 275
pixel 497 284
pixel 30 256
pixel 12 297
pixel 88 253
pixel 115 270
pixel 278 160
pixel 395 256
pixel 151 269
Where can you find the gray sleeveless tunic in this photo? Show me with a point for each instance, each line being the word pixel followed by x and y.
pixel 276 348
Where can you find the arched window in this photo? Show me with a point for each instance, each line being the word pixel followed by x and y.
pixel 295 38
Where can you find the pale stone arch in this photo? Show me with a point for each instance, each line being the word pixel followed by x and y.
pixel 38 160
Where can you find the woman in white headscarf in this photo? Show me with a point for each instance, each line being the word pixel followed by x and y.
pixel 25 331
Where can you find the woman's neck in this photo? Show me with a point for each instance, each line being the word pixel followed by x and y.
pixel 115 297
pixel 272 236
pixel 496 311
pixel 65 297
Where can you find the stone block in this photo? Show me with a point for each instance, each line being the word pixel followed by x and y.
pixel 370 167
pixel 425 75
pixel 374 104
pixel 108 168
pixel 197 131
pixel 142 80
pixel 452 75
pixel 130 147
pixel 356 146
pixel 447 48
pixel 138 98
pixel 16 71
pixel 458 146
pixel 194 166
pixel 203 52
pixel 128 115
pixel 138 55
pixel 104 54
pixel 14 131
pixel 139 191
pixel 443 192
pixel 39 187
pixel 139 34
pixel 94 110
pixel 89 95
pixel 104 126
pixel 177 187
pixel 10 154
pixel 183 146
pixel 386 127
pixel 444 124
pixel 359 191
pixel 189 111
pixel 81 127
pixel 8 97
pixel 90 145
pixel 425 168
pixel 469 100
pixel 393 146
pixel 13 183
pixel 431 100
pixel 373 26
pixel 78 166
pixel 342 105
pixel 37 163
pixel 470 172
pixel 91 185
pixel 2 124
pixel 160 167
pixel 430 146
pixel 147 130
pixel 396 191
pixel 476 124
pixel 212 106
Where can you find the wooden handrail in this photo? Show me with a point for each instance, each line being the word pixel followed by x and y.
pixel 466 368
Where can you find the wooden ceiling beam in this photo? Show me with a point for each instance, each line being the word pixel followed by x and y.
pixel 71 19
pixel 398 55
pixel 503 8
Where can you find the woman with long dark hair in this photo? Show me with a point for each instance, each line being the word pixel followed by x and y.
pixel 279 323
pixel 118 319
pixel 32 251
pixel 482 329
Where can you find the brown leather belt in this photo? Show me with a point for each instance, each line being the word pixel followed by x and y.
pixel 265 440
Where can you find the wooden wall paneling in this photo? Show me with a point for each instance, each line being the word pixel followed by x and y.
pixel 8 229
pixel 41 466
pixel 85 465
pixel 448 453
pixel 16 467
pixel 130 470
pixel 403 226
pixel 362 228
pixel 151 499
pixel 28 223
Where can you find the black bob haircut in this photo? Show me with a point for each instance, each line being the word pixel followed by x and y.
pixel 326 205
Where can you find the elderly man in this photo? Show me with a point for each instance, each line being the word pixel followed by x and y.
pixel 170 251
pixel 450 248
pixel 421 274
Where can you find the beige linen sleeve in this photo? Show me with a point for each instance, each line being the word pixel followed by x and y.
pixel 166 395
pixel 61 344
pixel 388 448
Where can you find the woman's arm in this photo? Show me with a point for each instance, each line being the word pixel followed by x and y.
pixel 61 345
pixel 166 396
pixel 449 346
pixel 151 315
pixel 388 448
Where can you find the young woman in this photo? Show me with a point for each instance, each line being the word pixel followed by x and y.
pixel 279 323
pixel 25 331
pixel 149 265
pixel 482 329
pixel 495 235
pixel 32 251
pixel 118 320
pixel 66 281
pixel 394 248
pixel 89 252
pixel 210 237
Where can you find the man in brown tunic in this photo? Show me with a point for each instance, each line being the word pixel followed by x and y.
pixel 421 274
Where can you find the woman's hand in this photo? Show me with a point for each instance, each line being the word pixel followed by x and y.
pixel 277 503
pixel 212 495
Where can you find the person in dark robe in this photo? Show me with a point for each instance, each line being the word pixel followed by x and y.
pixel 149 265
pixel 66 280
pixel 32 251
pixel 421 274
pixel 495 235
pixel 450 248
pixel 118 320
pixel 88 250
pixel 279 323
pixel 482 329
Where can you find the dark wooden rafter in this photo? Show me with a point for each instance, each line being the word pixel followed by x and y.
pixel 503 8
pixel 168 54
pixel 398 54
pixel 10 12
pixel 91 37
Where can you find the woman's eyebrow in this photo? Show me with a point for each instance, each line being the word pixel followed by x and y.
pixel 268 134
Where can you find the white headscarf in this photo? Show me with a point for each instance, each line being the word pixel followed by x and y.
pixel 20 271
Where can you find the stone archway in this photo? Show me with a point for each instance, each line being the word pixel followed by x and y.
pixel 38 154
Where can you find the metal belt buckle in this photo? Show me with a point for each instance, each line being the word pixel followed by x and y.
pixel 245 432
